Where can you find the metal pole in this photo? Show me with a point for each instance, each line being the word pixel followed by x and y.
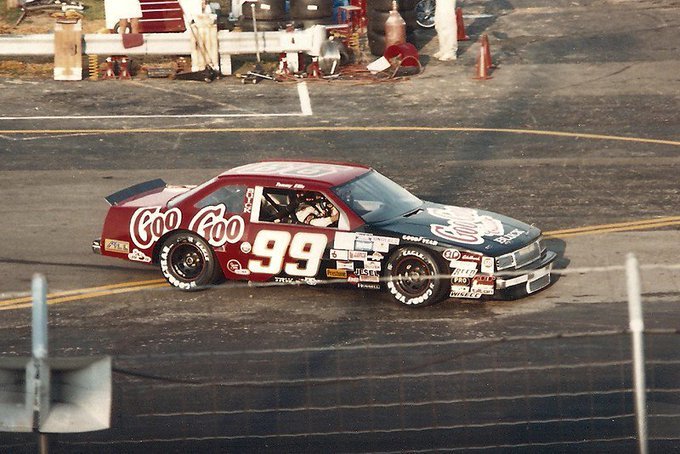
pixel 39 339
pixel 257 43
pixel 636 329
pixel 39 325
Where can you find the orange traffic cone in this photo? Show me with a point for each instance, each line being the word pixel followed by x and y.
pixel 460 25
pixel 482 66
pixel 485 44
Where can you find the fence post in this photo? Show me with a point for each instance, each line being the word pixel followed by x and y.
pixel 40 349
pixel 636 328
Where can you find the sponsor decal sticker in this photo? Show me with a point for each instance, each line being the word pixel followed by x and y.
pixel 460 288
pixel 339 255
pixel 248 205
pixel 357 255
pixel 508 237
pixel 464 294
pixel 487 265
pixel 292 168
pixel 213 224
pixel 464 225
pixel 363 245
pixel 381 246
pixel 353 279
pixel 420 239
pixel 451 254
pixel 120 247
pixel 344 240
pixel 368 275
pixel 341 274
pixel 345 266
pixel 285 280
pixel 375 266
pixel 484 284
pixel 463 269
pixel 375 256
pixel 368 286
pixel 138 256
pixel 246 247
pixel 149 224
pixel 235 267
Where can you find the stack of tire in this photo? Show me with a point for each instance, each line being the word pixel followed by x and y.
pixel 269 14
pixel 307 13
pixel 377 12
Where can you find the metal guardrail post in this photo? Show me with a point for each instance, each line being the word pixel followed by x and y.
pixel 636 331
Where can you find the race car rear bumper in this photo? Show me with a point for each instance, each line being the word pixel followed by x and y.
pixel 534 279
pixel 97 246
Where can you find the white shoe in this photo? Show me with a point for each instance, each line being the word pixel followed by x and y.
pixel 447 57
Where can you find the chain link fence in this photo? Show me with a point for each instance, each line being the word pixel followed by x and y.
pixel 562 392
pixel 555 393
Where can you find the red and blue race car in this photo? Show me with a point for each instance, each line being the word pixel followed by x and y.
pixel 307 222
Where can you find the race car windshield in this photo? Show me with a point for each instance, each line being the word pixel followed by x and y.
pixel 376 198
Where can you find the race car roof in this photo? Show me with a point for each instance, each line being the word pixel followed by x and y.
pixel 331 173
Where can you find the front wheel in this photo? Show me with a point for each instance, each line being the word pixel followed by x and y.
pixel 187 262
pixel 425 13
pixel 415 278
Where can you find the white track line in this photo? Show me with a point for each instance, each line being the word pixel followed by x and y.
pixel 305 102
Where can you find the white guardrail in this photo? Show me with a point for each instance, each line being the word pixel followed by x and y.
pixel 229 43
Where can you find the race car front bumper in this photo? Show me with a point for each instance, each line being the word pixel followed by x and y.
pixel 97 246
pixel 535 279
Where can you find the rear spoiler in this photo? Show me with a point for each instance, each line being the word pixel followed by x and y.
pixel 124 194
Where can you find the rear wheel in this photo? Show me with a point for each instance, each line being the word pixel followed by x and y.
pixel 414 278
pixel 187 262
pixel 425 13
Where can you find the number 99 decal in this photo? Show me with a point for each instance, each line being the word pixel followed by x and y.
pixel 271 245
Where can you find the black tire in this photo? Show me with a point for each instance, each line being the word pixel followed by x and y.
pixel 376 42
pixel 310 9
pixel 415 278
pixel 386 5
pixel 265 10
pixel 188 262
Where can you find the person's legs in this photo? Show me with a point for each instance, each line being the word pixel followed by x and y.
pixel 134 25
pixel 122 26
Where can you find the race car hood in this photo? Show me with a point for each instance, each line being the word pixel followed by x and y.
pixel 475 230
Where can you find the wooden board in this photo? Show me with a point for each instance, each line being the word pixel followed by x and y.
pixel 68 50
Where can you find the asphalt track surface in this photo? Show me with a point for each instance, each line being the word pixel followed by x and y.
pixel 576 133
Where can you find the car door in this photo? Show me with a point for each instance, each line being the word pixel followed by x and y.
pixel 286 244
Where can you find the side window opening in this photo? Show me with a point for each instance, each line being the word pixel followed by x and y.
pixel 230 196
pixel 298 207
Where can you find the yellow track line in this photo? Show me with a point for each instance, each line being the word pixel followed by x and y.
pixel 618 226
pixel 535 132
pixel 83 296
pixel 613 230
pixel 28 299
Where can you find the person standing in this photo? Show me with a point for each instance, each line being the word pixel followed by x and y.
pixel 123 13
pixel 447 30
